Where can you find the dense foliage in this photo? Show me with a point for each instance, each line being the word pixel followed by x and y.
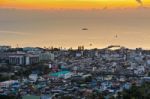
pixel 137 92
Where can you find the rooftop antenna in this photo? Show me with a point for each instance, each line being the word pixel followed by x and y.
pixel 17 46
pixel 84 29
pixel 90 45
pixel 116 36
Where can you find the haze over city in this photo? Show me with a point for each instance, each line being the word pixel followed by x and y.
pixel 74 49
pixel 60 23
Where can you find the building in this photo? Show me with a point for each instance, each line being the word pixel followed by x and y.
pixel 4 48
pixel 31 97
pixel 62 74
pixel 4 56
pixel 17 59
pixel 31 49
pixel 31 59
pixel 23 59
pixel 33 77
pixel 45 56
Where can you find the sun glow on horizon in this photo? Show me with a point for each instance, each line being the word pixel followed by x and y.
pixel 71 4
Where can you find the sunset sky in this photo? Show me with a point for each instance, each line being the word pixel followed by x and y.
pixel 60 22
pixel 72 4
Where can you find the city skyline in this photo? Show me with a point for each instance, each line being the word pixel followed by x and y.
pixel 29 23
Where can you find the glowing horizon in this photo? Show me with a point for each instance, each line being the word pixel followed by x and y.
pixel 72 4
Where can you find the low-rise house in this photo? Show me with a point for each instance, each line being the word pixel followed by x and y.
pixel 62 74
pixel 33 77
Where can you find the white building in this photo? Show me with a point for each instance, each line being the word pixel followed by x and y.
pixel 31 59
pixel 33 77
pixel 23 59
pixel 46 56
pixel 31 49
